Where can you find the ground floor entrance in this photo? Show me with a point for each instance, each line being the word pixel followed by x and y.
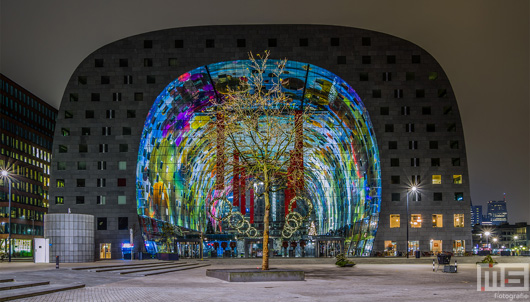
pixel 104 251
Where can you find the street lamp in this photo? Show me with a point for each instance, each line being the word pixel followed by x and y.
pixel 413 189
pixel 5 175
pixel 487 234
pixel 495 241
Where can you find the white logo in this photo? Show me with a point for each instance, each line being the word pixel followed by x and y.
pixel 503 277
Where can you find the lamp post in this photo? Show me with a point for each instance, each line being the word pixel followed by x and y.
pixel 413 189
pixel 487 234
pixel 5 175
pixel 495 242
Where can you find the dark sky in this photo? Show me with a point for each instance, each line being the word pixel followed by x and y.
pixel 483 45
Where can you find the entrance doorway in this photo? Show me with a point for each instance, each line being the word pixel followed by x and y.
pixel 104 251
pixel 459 247
pixel 436 247
pixel 329 247
pixel 390 248
pixel 189 248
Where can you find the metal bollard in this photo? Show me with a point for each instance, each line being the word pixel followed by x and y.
pixel 56 262
pixel 456 266
pixel 433 265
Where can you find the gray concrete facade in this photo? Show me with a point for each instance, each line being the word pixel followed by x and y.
pixel 71 237
pixel 408 96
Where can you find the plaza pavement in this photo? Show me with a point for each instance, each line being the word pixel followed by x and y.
pixel 372 279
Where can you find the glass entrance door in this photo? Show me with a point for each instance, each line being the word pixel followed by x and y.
pixel 104 251
pixel 436 246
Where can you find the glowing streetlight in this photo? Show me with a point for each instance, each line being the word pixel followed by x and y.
pixel 5 175
pixel 412 189
pixel 487 234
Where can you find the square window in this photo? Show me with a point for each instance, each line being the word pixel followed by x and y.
pixel 457 179
pixel 433 75
pixel 131 113
pixel 151 79
pixel 392 145
pixel 416 59
pixel 61 165
pixel 448 110
pixel 98 63
pixel 363 76
pixel 126 131
pixel 433 144
pixel 394 179
pixel 122 165
pixel 409 127
pixel 102 165
pixel 415 221
pixel 101 200
pixel 63 149
pixel 391 59
pixel 79 199
pixel 179 43
pixel 420 93
pixel 65 131
pixel 172 62
pixel 384 110
pixel 414 162
pixel 124 62
pixel 376 93
pixel 416 196
pixel 437 196
pixel 89 114
pixel 210 43
pixel 68 114
pixel 85 131
pixel 435 162
pixel 437 179
pixel 454 145
pixel 60 183
pixel 304 42
pixel 123 223
pixel 430 128
pixel 80 182
pixel 111 113
pixel 101 182
pixel 341 59
pixel 413 145
pixel 459 196
pixel 387 76
pixel 128 79
pixel 459 220
pixel 103 148
pixel 94 97
pixel 366 41
pixel 455 162
pixel 394 162
pixel 82 80
pixel 394 221
pixel 426 110
pixel 398 93
pixel 105 131
pixel 405 110
pixel 442 93
pixel 122 182
pixel 366 59
pixel 124 148
pixel 148 43
pixel 273 42
pixel 74 97
pixel 410 76
pixel 451 127
pixel 148 62
pixel 437 221
pixel 102 223
pixel 81 165
pixel 83 148
pixel 116 97
pixel 138 96
pixel 396 196
pixel 389 128
pixel 59 200
pixel 334 41
pixel 105 80
pixel 122 199
pixel 415 180
pixel 241 43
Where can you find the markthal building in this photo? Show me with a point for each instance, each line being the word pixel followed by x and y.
pixel 134 147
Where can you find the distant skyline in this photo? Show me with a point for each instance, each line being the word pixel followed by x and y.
pixel 483 46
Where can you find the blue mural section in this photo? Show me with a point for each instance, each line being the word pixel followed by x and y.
pixel 176 161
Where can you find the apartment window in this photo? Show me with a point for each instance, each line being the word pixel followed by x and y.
pixel 376 93
pixel 415 179
pixel 394 221
pixel 387 76
pixel 101 182
pixel 455 162
pixel 81 165
pixel 433 144
pixel 122 199
pixel 457 179
pixel 394 179
pixel 126 131
pixel 241 43
pixel 391 59
pixel 89 114
pixel 431 128
pixel 435 162
pixel 60 183
pixel 102 223
pixel 80 182
pixel 81 80
pixel 122 165
pixel 179 43
pixel 102 165
pixel 111 113
pixel 459 220
pixel 389 128
pixel 416 59
pixel 366 59
pixel 416 196
pixel 448 110
pixel 74 97
pixel 410 76
pixel 437 179
pixel 94 97
pixel 103 148
pixel 396 196
pixel 459 196
pixel 63 149
pixel 304 42
pixel 398 93
pixel 151 79
pixel 415 220
pixel 363 76
pixel 122 182
pixel 172 62
pixel 101 200
pixel 454 144
pixel 273 42
pixel 437 221
pixel 392 145
pixel 413 145
pixel 83 148
pixel 123 223
pixel 59 200
pixel 68 114
pixel 341 59
pixel 80 200
pixel 394 162
pixel 366 41
pixel 414 162
pixel 116 96
pixel 420 93
pixel 437 196
pixel 128 79
pixel 210 43
pixel 105 131
pixel 405 110
pixel 105 80
pixel 131 113
pixel 61 165
pixel 148 43
pixel 148 62
pixel 451 127
pixel 409 127
pixel 384 110
pixel 442 93
pixel 426 110
pixel 138 96
pixel 124 148
pixel 334 41
pixel 98 63
pixel 433 76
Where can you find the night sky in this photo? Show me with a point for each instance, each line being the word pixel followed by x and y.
pixel 482 45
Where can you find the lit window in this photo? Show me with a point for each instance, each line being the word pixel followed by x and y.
pixel 60 183
pixel 65 131
pixel 122 199
pixel 457 179
pixel 459 196
pixel 415 220
pixel 122 165
pixel 437 179
pixel 122 182
pixel 394 221
pixel 81 165
pixel 437 221
pixel 101 200
pixel 59 200
pixel 459 220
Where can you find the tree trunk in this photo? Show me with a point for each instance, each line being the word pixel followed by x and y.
pixel 265 261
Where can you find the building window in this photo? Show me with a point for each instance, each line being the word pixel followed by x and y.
pixel 83 148
pixel 116 96
pixel 81 80
pixel 394 162
pixel 111 113
pixel 433 76
pixel 459 220
pixel 426 110
pixel 416 59
pixel 273 42
pixel 61 165
pixel 431 128
pixel 363 76
pixel 435 162
pixel 68 114
pixel 376 93
pixel 105 80
pixel 392 145
pixel 416 196
pixel 126 131
pixel 387 76
pixel 437 196
pixel 80 182
pixel 210 43
pixel 415 220
pixel 442 93
pixel 405 110
pixel 60 183
pixel 437 221
pixel 394 179
pixel 454 145
pixel 334 41
pixel 451 127
pixel 410 76
pixel 398 93
pixel 105 131
pixel 241 43
pixel 366 59
pixel 384 110
pixel 63 149
pixel 389 128
pixel 415 180
pixel 437 179
pixel 127 79
pixel 124 148
pixel 131 113
pixel 101 182
pixel 457 179
pixel 459 196
pixel 341 59
pixel 122 182
pixel 101 200
pixel 179 43
pixel 304 42
pixel 409 127
pixel 455 162
pixel 122 165
pixel 366 41
pixel 413 145
pixel 420 93
pixel 102 165
pixel 172 62
pixel 394 221
pixel 102 223
pixel 151 79
pixel 414 162
pixel 122 199
pixel 138 96
pixel 433 144
pixel 148 62
pixel 80 200
pixel 74 97
pixel 103 148
pixel 94 97
pixel 59 200
pixel 391 59
pixel 448 110
pixel 98 63
pixel 123 223
pixel 148 43
pixel 396 196
pixel 81 165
